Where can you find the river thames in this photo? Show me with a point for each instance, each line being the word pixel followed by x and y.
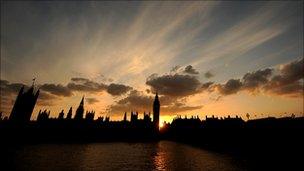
pixel 158 156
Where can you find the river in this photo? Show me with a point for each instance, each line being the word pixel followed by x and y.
pixel 158 156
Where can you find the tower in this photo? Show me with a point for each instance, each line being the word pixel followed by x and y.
pixel 80 110
pixel 134 117
pixel 43 116
pixel 24 105
pixel 90 115
pixel 69 115
pixel 61 115
pixel 125 117
pixel 156 107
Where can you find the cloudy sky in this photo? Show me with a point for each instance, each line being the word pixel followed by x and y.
pixel 203 58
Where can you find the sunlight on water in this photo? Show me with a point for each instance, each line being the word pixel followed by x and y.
pixel 159 160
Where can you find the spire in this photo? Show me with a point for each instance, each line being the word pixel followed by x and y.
pixel 125 116
pixel 80 110
pixel 156 100
pixel 156 96
pixel 82 101
pixel 31 90
pixel 69 114
pixel 34 79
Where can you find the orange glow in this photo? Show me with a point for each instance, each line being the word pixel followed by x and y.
pixel 161 124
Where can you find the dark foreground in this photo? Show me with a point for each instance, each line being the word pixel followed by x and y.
pixel 185 144
pixel 162 155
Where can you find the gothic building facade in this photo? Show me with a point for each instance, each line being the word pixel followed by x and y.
pixel 24 105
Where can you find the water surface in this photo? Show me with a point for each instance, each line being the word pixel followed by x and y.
pixel 163 155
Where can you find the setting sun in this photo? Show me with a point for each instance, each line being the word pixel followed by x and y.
pixel 161 125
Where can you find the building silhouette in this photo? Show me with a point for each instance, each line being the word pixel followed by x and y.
pixel 69 114
pixel 43 115
pixel 125 117
pixel 107 119
pixel 134 116
pixel 156 107
pixel 80 110
pixel 147 117
pixel 24 105
pixel 90 115
pixel 61 115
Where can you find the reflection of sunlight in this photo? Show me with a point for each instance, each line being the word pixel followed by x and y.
pixel 160 160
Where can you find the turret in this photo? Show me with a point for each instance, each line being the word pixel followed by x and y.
pixel 125 117
pixel 61 115
pixel 24 105
pixel 69 115
pixel 80 110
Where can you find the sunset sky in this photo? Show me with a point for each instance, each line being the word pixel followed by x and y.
pixel 203 57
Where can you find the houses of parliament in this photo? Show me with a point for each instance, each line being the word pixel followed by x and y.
pixel 26 101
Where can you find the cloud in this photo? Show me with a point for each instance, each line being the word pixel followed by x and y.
pixel 47 99
pixel 246 35
pixel 134 101
pixel 174 106
pixel 118 89
pixel 79 79
pixel 103 78
pixel 86 85
pixel 190 70
pixel 10 88
pixel 58 89
pixel 207 86
pixel 287 82
pixel 254 80
pixel 176 85
pixel 137 101
pixel 175 109
pixel 232 86
pixel 175 89
pixel 175 68
pixel 208 74
pixel 91 100
pixel 292 90
pixel 292 71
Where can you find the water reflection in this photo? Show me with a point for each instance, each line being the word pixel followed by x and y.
pixel 176 156
pixel 159 156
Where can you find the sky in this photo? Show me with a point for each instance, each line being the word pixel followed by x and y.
pixel 202 57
